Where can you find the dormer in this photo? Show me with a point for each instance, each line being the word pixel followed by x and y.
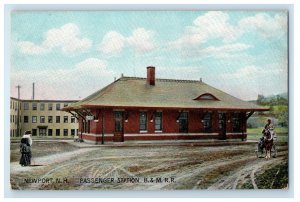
pixel 207 96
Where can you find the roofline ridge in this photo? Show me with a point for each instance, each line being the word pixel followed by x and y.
pixel 180 80
pixel 161 79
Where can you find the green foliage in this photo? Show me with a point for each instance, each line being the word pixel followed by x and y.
pixel 255 134
pixel 278 111
pixel 274 178
pixel 272 100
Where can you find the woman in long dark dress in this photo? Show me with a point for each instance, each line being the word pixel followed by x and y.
pixel 25 152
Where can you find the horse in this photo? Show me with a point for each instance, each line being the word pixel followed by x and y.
pixel 268 143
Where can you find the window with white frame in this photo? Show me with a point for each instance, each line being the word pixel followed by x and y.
pixel 42 119
pixel 143 121
pixel 34 106
pixel 34 119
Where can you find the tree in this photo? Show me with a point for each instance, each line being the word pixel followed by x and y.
pixel 260 99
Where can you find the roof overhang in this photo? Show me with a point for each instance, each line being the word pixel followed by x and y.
pixel 163 107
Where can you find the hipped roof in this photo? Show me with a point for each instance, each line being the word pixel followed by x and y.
pixel 133 92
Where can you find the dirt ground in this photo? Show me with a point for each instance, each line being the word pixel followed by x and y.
pixel 187 166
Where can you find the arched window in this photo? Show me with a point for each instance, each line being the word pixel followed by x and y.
pixel 206 96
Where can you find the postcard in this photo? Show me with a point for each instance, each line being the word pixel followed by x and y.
pixel 149 100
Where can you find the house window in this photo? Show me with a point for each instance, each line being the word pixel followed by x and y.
pixel 49 132
pixel 58 106
pixel 65 132
pixel 236 122
pixel 50 119
pixel 65 119
pixel 34 106
pixel 118 121
pixel 158 121
pixel 50 106
pixel 72 132
pixel 207 122
pixel 25 119
pixel 13 118
pixel 34 119
pixel 42 119
pixel 221 120
pixel 34 132
pixel 57 132
pixel 42 106
pixel 72 119
pixel 26 105
pixel 183 122
pixel 57 119
pixel 143 121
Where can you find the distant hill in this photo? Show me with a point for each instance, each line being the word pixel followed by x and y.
pixel 271 100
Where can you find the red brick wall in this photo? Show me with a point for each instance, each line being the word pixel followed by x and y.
pixel 93 124
pixel 169 122
pixel 229 127
pixel 109 125
pixel 132 126
pixel 215 123
pixel 195 125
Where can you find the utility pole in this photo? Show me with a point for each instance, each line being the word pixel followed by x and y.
pixel 33 91
pixel 18 112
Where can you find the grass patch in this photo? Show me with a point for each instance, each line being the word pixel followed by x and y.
pixel 247 185
pixel 255 134
pixel 259 130
pixel 274 178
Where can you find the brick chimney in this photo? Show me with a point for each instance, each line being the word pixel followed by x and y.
pixel 151 75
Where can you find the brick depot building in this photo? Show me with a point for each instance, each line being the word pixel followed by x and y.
pixel 133 108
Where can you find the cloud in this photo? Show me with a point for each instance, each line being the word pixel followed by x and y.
pixel 216 25
pixel 85 78
pixel 222 51
pixel 141 41
pixel 113 42
pixel 249 81
pixel 27 47
pixel 66 37
pixel 91 64
pixel 213 24
pixel 264 25
pixel 250 72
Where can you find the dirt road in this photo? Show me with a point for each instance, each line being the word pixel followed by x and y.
pixel 185 166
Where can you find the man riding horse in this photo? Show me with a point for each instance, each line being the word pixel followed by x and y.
pixel 267 140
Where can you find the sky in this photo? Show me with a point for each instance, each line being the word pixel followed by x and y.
pixel 71 54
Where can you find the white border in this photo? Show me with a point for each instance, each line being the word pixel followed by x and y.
pixel 213 6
